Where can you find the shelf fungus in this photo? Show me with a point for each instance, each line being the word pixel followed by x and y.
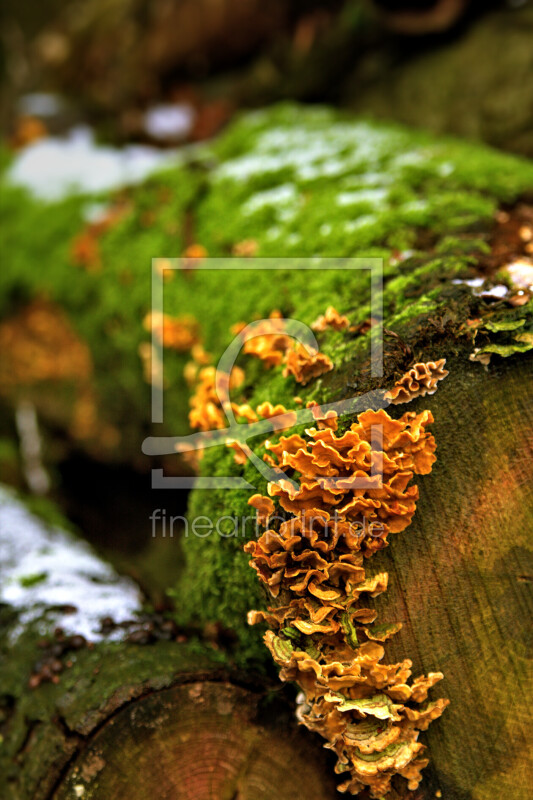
pixel 337 510
pixel 175 333
pixel 284 420
pixel 206 411
pixel 269 340
pixel 419 381
pixel 305 363
pixel 331 319
pixel 271 343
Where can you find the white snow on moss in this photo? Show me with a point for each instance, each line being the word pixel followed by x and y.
pixel 44 569
pixel 374 197
pixel 367 220
pixel 53 168
pixel 310 154
pixel 280 197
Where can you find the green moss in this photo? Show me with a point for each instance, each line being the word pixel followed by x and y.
pixel 300 182
pixel 218 584
pixel 313 182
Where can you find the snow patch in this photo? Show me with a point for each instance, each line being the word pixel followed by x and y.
pixel 169 121
pixel 45 569
pixel 54 168
pixel 282 195
pixel 374 197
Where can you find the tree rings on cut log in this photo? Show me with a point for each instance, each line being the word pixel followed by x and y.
pixel 197 741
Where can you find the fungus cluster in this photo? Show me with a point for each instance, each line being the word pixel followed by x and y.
pixel 40 344
pixel 304 363
pixel 419 381
pixel 270 343
pixel 284 420
pixel 181 334
pixel 352 491
pixel 331 319
pixel 206 412
pixel 192 257
pixel 175 333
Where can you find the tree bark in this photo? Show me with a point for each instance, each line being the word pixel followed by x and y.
pixel 460 580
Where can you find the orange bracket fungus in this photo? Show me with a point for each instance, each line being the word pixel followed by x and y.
pixel 419 381
pixel 312 564
pixel 269 341
pixel 206 412
pixel 331 319
pixel 304 363
pixel 176 333
pixel 274 346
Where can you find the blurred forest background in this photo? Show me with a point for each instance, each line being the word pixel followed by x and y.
pixel 448 65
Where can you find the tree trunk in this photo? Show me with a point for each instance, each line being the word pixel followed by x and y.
pixel 420 86
pixel 104 719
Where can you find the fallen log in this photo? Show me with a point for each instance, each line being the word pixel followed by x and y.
pixel 124 710
pixel 452 223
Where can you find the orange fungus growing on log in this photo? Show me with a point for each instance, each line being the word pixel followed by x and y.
pixel 331 319
pixel 349 499
pixel 420 380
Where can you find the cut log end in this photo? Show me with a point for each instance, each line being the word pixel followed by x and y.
pixel 203 740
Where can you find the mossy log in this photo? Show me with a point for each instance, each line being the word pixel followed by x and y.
pixel 104 717
pixel 441 214
pixel 459 578
pixel 460 581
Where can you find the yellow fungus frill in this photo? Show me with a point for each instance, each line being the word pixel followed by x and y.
pixel 270 343
pixel 304 364
pixel 331 319
pixel 351 494
pixel 420 380
pixel 176 333
pixel 206 412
